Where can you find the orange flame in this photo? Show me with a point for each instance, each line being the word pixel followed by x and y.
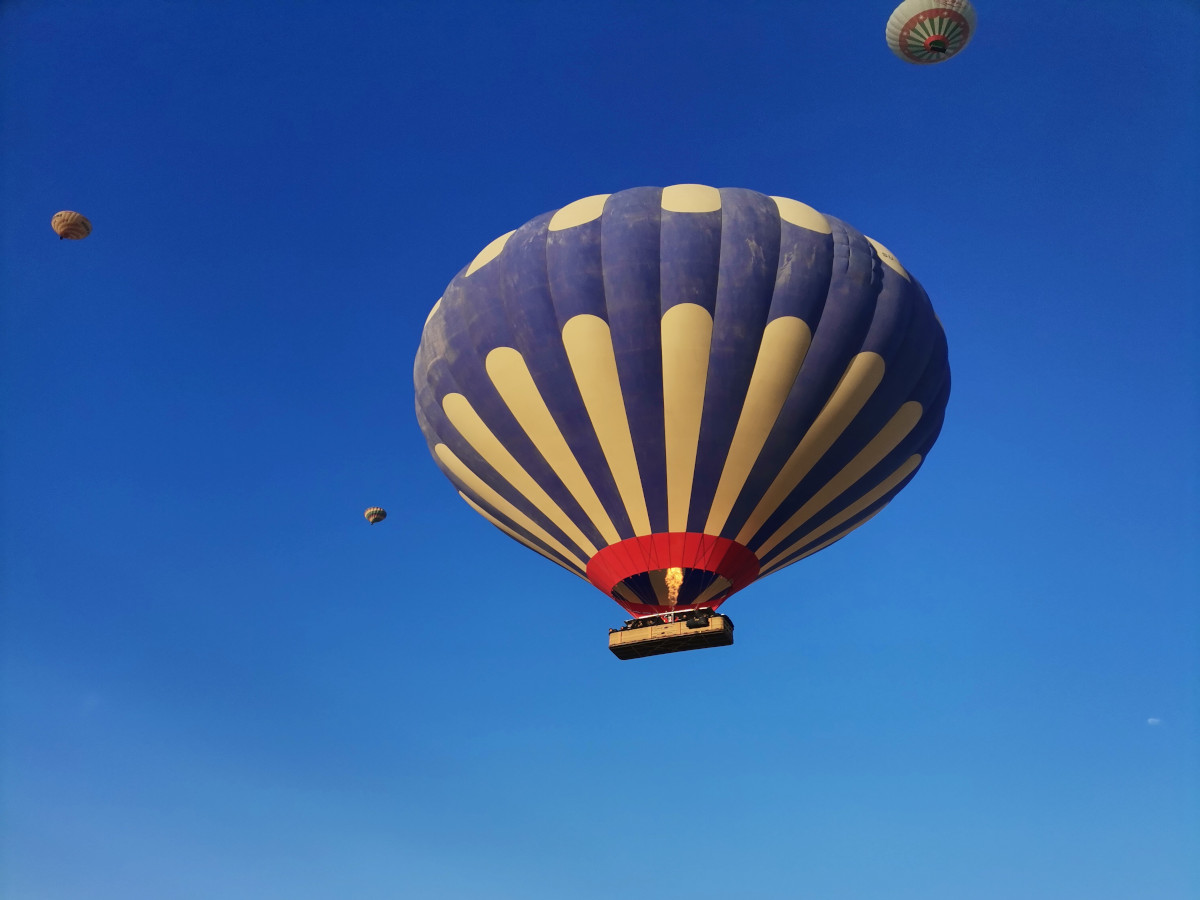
pixel 674 578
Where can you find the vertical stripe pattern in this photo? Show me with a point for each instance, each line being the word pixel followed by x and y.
pixel 930 31
pixel 708 365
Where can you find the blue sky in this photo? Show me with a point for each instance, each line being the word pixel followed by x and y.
pixel 219 681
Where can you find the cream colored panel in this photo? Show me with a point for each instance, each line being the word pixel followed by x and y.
pixel 686 341
pixel 710 592
pixel 888 257
pixel 432 311
pixel 784 345
pixel 588 342
pixel 488 253
pixel 801 214
pixel 691 198
pixel 517 536
pixel 506 367
pixel 767 570
pixel 476 433
pixel 872 496
pixel 586 210
pixel 489 496
pixel 622 591
pixel 888 438
pixel 859 381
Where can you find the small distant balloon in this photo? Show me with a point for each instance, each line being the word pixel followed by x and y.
pixel 930 31
pixel 70 225
pixel 375 515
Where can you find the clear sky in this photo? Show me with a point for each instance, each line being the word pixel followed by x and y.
pixel 220 682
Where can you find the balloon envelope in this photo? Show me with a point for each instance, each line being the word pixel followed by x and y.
pixel 688 378
pixel 70 225
pixel 930 31
pixel 375 514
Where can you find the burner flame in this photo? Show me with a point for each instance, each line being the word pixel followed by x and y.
pixel 674 578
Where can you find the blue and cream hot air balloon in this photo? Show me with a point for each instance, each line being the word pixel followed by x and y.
pixel 930 31
pixel 672 392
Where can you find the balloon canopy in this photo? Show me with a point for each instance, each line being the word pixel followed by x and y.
pixel 375 514
pixel 930 31
pixel 70 225
pixel 672 392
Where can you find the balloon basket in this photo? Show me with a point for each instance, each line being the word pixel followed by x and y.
pixel 670 633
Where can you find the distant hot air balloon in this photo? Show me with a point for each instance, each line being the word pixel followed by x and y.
pixel 375 514
pixel 674 392
pixel 70 225
pixel 930 31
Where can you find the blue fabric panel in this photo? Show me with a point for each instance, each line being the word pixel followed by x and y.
pixel 901 333
pixel 865 514
pixel 749 263
pixel 805 269
pixel 501 291
pixel 932 391
pixel 461 370
pixel 575 270
pixel 689 251
pixel 537 309
pixel 848 312
pixel 630 239
pixel 931 430
pixel 432 437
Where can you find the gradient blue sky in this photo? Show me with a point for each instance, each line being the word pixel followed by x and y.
pixel 219 681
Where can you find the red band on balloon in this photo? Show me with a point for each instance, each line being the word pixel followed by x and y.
pixel 687 550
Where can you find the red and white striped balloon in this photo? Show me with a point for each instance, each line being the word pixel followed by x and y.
pixel 930 31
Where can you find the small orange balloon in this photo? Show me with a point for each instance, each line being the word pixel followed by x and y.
pixel 70 225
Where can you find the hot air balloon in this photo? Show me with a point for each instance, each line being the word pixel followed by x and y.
pixel 673 392
pixel 930 31
pixel 70 225
pixel 375 514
